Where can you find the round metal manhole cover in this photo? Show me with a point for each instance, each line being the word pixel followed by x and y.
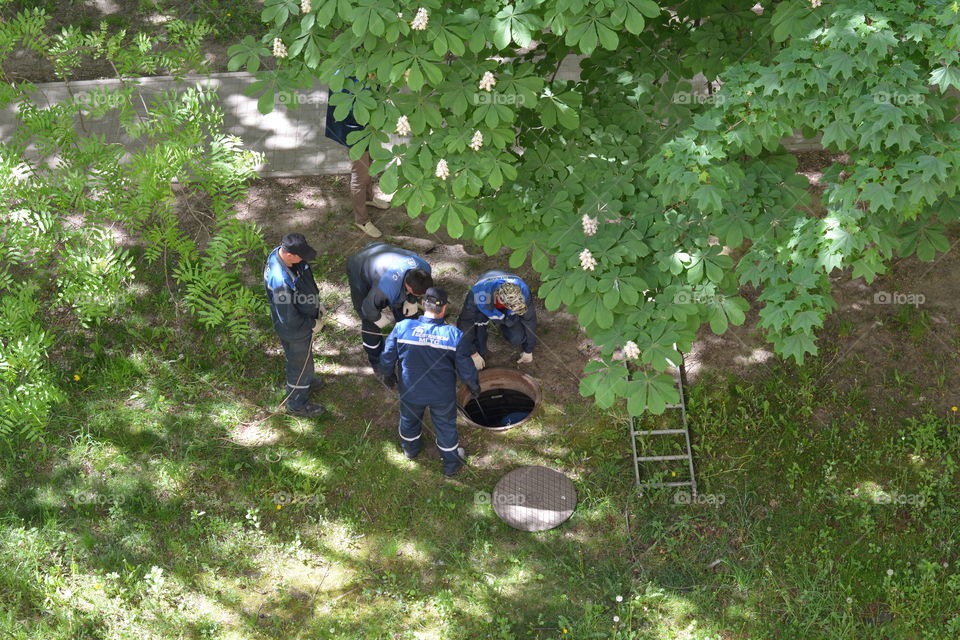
pixel 534 498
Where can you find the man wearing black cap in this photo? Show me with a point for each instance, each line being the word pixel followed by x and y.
pixel 431 355
pixel 294 309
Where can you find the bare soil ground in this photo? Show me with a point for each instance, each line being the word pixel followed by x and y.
pixel 863 345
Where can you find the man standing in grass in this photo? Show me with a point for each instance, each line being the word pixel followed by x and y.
pixel 294 309
pixel 385 282
pixel 431 355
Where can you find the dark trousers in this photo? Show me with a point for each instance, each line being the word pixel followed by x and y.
pixel 372 337
pixel 444 418
pixel 511 333
pixel 299 369
pixel 361 188
pixel 477 333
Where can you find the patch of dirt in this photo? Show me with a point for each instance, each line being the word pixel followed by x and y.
pixel 319 207
pixel 874 341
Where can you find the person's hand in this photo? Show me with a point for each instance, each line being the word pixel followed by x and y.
pixel 525 358
pixel 410 309
pixel 384 319
pixel 478 361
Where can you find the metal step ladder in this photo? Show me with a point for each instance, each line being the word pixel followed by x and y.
pixel 680 376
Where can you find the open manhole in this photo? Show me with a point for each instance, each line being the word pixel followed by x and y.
pixel 507 398
pixel 534 498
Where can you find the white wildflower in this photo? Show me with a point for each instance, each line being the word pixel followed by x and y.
pixel 305 6
pixel 889 572
pixel 279 49
pixel 443 171
pixel 403 126
pixel 586 260
pixel 619 598
pixel 477 141
pixel 488 81
pixel 616 618
pixel 631 350
pixel 420 20
pixel 589 228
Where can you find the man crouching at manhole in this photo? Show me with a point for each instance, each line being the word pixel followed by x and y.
pixel 503 299
pixel 431 354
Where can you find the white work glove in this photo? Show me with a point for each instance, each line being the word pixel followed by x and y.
pixel 525 358
pixel 478 361
pixel 410 309
pixel 384 319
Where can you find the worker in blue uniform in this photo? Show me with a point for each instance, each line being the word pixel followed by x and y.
pixel 430 354
pixel 294 308
pixel 503 299
pixel 385 285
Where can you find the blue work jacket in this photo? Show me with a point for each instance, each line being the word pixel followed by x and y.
pixel 478 311
pixel 376 275
pixel 293 296
pixel 431 357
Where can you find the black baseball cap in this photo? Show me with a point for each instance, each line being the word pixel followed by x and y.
pixel 436 295
pixel 296 244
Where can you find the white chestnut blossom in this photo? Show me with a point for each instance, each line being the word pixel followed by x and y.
pixel 589 225
pixel 420 20
pixel 587 261
pixel 305 6
pixel 443 171
pixel 477 141
pixel 631 350
pixel 488 81
pixel 279 49
pixel 403 126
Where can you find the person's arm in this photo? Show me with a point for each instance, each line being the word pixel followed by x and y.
pixel 474 335
pixel 287 314
pixel 374 304
pixel 388 359
pixel 466 370
pixel 529 322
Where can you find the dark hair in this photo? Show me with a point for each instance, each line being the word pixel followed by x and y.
pixel 433 306
pixel 418 280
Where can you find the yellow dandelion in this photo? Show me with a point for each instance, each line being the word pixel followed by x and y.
pixel 564 630
pixel 954 409
pixel 673 473
pixel 279 506
pixel 76 377
pixel 98 586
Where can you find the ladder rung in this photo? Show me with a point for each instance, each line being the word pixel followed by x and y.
pixel 655 432
pixel 667 484
pixel 654 458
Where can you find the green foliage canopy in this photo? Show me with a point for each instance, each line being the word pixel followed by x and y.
pixel 691 194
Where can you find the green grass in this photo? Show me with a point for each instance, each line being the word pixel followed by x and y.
pixel 151 512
